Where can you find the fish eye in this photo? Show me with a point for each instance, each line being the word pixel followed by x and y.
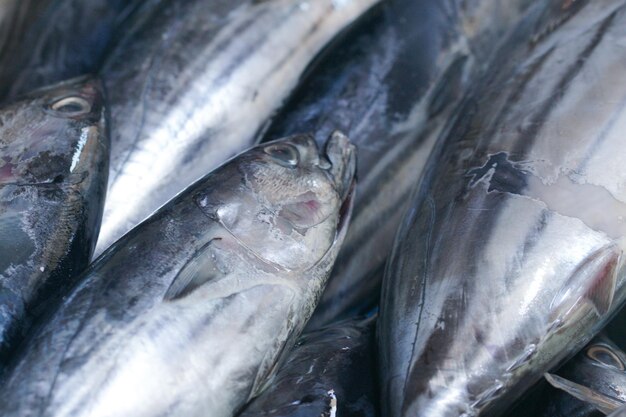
pixel 286 155
pixel 71 106
pixel 605 356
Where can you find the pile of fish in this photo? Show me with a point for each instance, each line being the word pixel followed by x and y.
pixel 312 208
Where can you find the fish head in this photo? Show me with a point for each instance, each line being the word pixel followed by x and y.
pixel 49 136
pixel 293 202
pixel 596 375
pixel 601 365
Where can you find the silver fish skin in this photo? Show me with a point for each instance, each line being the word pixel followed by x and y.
pixel 53 172
pixel 48 41
pixel 596 376
pixel 390 84
pixel 510 258
pixel 188 314
pixel 331 371
pixel 192 82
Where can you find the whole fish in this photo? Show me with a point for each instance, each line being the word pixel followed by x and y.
pixel 390 84
pixel 510 258
pixel 192 82
pixel 189 313
pixel 596 377
pixel 53 172
pixel 331 371
pixel 47 41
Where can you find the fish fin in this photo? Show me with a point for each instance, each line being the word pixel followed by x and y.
pixel 593 280
pixel 603 403
pixel 198 270
pixel 602 290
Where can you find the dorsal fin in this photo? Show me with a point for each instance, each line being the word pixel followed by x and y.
pixel 603 403
pixel 198 270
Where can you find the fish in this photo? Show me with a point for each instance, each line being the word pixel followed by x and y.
pixel 53 173
pixel 595 376
pixel 330 371
pixel 510 258
pixel 191 83
pixel 390 83
pixel 192 310
pixel 47 41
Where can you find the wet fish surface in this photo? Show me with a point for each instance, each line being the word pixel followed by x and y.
pixel 53 172
pixel 331 371
pixel 47 41
pixel 390 83
pixel 510 258
pixel 191 310
pixel 192 82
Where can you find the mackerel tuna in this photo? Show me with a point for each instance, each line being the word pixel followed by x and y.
pixel 331 371
pixel 390 83
pixel 47 41
pixel 510 258
pixel 53 171
pixel 188 314
pixel 191 84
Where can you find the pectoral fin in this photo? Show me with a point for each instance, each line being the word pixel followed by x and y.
pixel 594 280
pixel 199 270
pixel 603 403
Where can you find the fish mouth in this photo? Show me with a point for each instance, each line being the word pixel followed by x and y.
pixel 341 154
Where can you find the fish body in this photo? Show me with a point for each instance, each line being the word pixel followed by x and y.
pixel 390 83
pixel 188 313
pixel 44 41
pixel 510 257
pixel 191 83
pixel 330 371
pixel 53 172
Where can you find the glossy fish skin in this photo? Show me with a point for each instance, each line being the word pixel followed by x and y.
pixel 191 310
pixel 390 83
pixel 47 41
pixel 53 172
pixel 517 220
pixel 192 82
pixel 330 371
